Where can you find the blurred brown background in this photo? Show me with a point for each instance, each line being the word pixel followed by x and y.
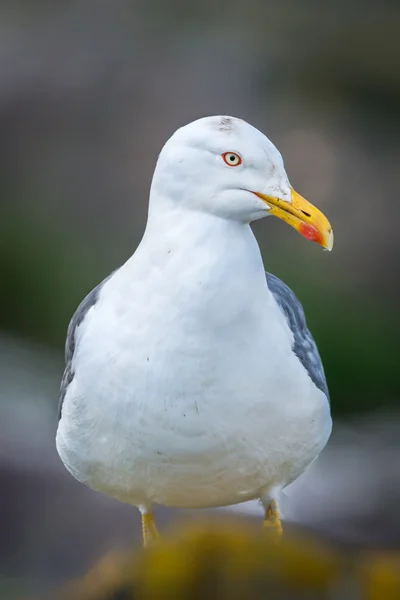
pixel 89 92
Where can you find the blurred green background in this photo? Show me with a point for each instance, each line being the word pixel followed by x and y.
pixel 90 91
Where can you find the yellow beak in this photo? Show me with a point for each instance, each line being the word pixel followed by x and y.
pixel 303 216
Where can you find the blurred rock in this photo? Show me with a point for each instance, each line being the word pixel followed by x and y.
pixel 232 561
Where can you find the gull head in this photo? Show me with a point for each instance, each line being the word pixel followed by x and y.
pixel 226 167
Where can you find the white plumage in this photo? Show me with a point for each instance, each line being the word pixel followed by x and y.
pixel 182 387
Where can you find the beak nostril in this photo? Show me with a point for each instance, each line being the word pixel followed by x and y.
pixel 306 213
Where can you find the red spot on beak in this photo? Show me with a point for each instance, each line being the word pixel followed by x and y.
pixel 311 233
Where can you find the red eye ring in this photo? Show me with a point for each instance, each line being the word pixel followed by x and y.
pixel 232 159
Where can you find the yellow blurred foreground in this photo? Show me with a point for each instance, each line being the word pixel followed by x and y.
pixel 233 561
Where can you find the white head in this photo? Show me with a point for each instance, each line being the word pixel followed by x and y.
pixel 224 166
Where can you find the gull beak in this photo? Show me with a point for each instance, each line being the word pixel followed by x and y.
pixel 303 216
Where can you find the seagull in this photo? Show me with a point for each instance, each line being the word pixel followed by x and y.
pixel 191 378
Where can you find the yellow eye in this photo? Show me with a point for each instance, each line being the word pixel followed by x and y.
pixel 232 159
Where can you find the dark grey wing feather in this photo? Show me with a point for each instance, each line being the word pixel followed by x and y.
pixel 304 345
pixel 76 320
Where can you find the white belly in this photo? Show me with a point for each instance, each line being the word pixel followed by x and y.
pixel 187 403
pixel 211 427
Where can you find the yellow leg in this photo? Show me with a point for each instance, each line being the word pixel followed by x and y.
pixel 149 530
pixel 272 520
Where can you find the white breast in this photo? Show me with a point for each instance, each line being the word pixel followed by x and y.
pixel 186 391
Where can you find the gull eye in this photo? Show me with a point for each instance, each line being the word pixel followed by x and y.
pixel 232 159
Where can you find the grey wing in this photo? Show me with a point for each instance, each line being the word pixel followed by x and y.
pixel 304 345
pixel 80 313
